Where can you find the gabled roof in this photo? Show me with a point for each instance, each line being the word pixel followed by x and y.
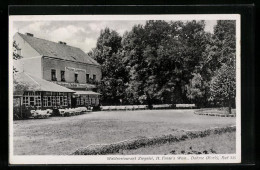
pixel 26 82
pixel 56 50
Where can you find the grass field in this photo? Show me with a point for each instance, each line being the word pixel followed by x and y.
pixel 63 135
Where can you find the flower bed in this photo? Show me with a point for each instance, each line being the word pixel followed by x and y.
pixel 40 114
pixel 73 111
pixel 102 149
pixel 135 107
pixel 162 106
pixel 185 106
pixel 43 114
pixel 123 107
pixel 144 107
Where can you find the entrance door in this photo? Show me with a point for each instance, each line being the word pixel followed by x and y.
pixel 73 102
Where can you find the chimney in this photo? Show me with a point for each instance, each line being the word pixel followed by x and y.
pixel 61 42
pixel 29 34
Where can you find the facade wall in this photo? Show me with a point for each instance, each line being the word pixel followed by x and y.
pixel 32 66
pixel 26 50
pixel 59 65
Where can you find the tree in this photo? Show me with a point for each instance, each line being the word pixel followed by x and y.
pixel 132 50
pixel 183 54
pixel 108 54
pixel 16 55
pixel 162 57
pixel 223 86
pixel 223 83
pixel 196 89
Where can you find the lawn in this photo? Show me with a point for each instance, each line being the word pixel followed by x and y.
pixel 63 135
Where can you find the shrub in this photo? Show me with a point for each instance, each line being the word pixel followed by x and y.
pixel 96 108
pixel 24 113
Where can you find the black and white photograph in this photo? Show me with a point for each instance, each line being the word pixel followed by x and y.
pixel 133 89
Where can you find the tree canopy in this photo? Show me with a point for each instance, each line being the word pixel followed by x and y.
pixel 167 62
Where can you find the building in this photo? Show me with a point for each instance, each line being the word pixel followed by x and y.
pixel 61 64
pixel 40 93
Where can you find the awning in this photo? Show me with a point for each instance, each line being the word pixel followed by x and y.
pixel 86 93
pixel 26 82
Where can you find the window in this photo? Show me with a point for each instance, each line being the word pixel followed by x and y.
pixel 49 101
pixel 47 93
pixel 87 78
pixel 26 101
pixel 69 101
pixel 38 100
pixel 54 93
pixel 87 100
pixel 57 101
pixel 53 75
pixel 29 94
pixel 62 75
pixel 45 101
pixel 53 100
pixel 94 77
pixel 61 100
pixel 65 101
pixel 32 99
pixel 82 101
pixel 32 102
pixel 78 101
pixel 76 78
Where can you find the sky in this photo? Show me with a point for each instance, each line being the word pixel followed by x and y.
pixel 81 34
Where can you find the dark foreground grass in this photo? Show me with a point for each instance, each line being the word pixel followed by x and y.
pixel 151 141
pixel 213 144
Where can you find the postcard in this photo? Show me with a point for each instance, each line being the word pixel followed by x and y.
pixel 124 89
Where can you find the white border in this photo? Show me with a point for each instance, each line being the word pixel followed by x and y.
pixel 14 159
